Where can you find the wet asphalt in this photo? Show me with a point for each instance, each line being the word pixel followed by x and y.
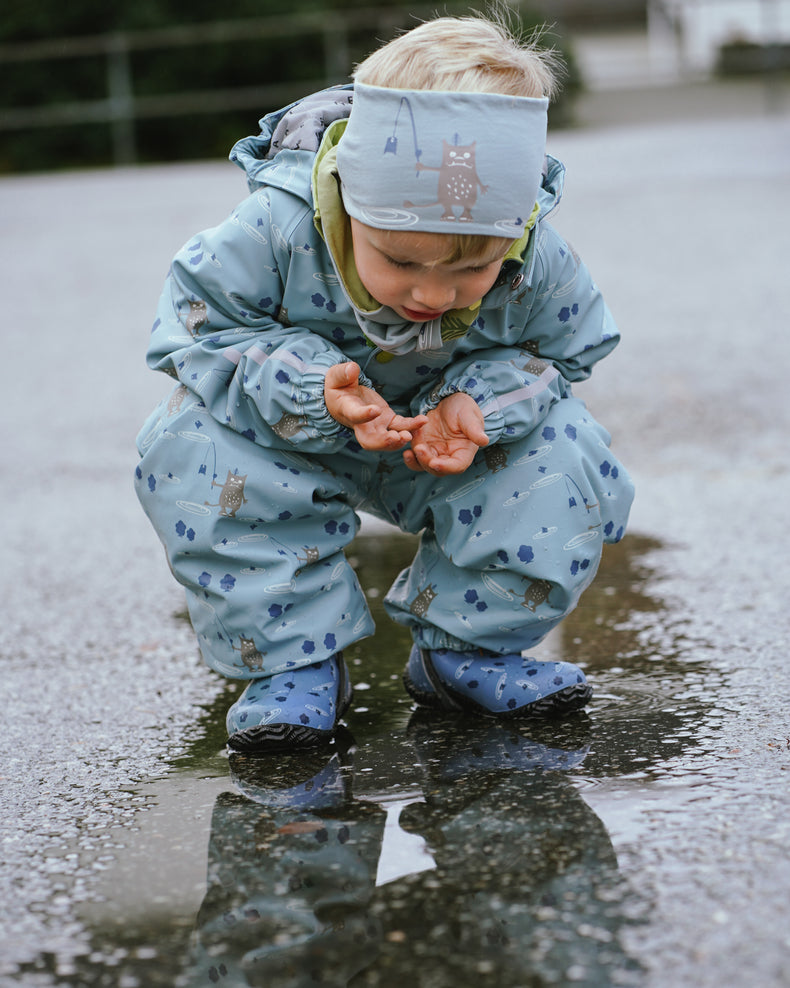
pixel 644 843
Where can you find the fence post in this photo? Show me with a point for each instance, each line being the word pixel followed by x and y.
pixel 121 99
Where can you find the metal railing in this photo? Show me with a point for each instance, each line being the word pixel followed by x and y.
pixel 119 106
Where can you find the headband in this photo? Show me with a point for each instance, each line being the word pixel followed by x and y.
pixel 442 162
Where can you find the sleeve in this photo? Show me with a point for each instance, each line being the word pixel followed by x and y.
pixel 222 330
pixel 551 337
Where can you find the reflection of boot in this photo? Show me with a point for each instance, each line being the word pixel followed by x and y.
pixel 291 871
pixel 308 780
pixel 453 745
pixel 525 875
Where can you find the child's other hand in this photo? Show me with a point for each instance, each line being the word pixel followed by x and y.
pixel 450 438
pixel 375 424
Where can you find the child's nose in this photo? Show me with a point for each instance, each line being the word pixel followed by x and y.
pixel 433 294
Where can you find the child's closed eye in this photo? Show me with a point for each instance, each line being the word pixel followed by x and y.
pixel 400 264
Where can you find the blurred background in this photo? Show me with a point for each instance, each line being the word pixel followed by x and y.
pixel 91 85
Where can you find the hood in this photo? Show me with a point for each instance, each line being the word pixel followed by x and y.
pixel 291 136
pixel 551 187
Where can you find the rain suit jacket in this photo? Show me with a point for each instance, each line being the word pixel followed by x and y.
pixel 255 310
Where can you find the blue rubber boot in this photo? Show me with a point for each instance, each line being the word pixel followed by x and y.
pixel 495 685
pixel 291 710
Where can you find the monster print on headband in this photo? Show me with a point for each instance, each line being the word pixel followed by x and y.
pixel 442 162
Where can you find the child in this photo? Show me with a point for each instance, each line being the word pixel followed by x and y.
pixel 387 322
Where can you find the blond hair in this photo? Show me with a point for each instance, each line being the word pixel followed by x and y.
pixel 464 54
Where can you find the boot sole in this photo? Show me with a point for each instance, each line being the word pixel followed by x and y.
pixel 277 737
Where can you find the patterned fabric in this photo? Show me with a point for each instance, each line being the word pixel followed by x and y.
pixel 443 162
pixel 253 487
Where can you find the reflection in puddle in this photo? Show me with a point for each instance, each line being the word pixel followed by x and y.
pixel 653 688
pixel 513 876
pixel 441 849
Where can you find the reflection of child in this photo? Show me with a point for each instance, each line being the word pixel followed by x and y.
pixel 387 323
pixel 316 878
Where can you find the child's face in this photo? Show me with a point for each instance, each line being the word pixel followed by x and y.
pixel 402 270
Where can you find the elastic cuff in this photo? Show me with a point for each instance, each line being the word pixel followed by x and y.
pixel 314 403
pixel 432 638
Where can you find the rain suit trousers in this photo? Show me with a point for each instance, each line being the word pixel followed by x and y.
pixel 257 536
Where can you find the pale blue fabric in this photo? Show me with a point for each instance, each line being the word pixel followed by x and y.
pixel 509 545
pixel 442 161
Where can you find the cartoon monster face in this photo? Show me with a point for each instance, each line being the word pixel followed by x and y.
pixel 250 655
pixel 232 496
pixel 536 593
pixel 495 457
pixel 289 425
pixel 419 606
pixel 457 174
pixel 198 316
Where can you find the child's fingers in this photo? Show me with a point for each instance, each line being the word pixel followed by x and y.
pixel 373 438
pixel 471 426
pixel 477 435
pixel 440 463
pixel 399 438
pixel 358 413
pixel 426 458
pixel 342 375
pixel 403 423
pixel 411 461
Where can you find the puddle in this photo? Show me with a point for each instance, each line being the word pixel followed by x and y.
pixel 438 849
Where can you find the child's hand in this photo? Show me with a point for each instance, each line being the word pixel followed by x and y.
pixel 375 424
pixel 450 438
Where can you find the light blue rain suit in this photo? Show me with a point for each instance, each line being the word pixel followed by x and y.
pixel 254 489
